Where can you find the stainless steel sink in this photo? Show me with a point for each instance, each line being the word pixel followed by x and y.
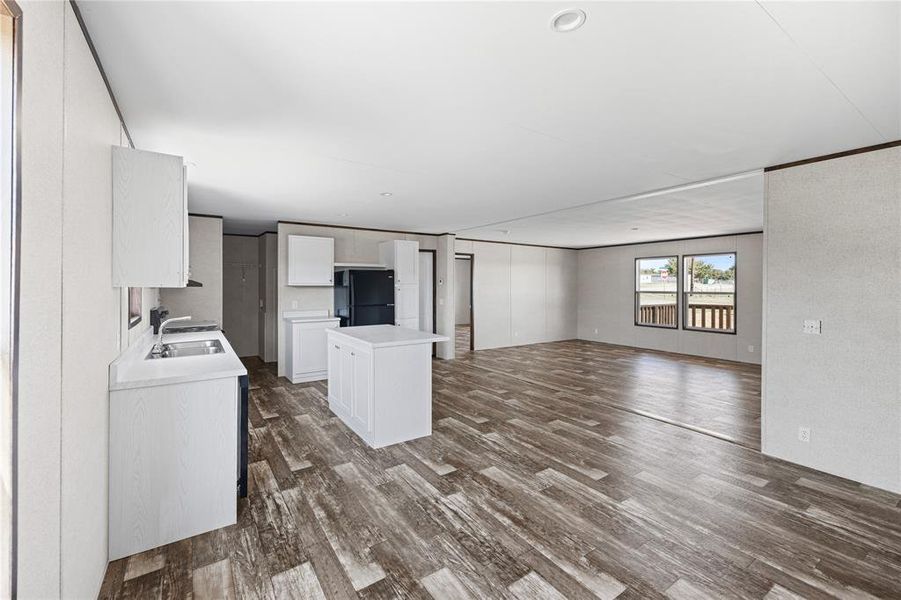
pixel 196 348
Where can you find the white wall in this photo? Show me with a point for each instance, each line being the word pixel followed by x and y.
pixel 205 255
pixel 833 244
pixel 606 299
pixel 521 294
pixel 351 245
pixel 71 319
pixel 241 293
pixel 462 290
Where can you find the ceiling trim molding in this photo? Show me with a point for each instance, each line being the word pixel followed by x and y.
pixel 815 159
pixel 519 244
pixel 109 89
pixel 688 239
pixel 360 228
pixel 190 214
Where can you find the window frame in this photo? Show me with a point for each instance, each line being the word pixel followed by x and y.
pixel 636 291
pixel 684 295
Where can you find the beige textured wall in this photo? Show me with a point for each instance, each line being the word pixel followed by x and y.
pixel 607 288
pixel 205 256
pixel 67 303
pixel 833 246
pixel 241 293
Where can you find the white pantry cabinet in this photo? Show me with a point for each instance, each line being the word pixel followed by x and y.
pixel 150 219
pixel 403 257
pixel 306 352
pixel 311 261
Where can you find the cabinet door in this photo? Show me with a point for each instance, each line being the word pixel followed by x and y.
pixel 346 387
pixel 311 260
pixel 310 344
pixel 361 412
pixel 334 373
pixel 406 302
pixel 150 219
pixel 406 262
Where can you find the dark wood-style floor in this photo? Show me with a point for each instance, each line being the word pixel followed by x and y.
pixel 461 339
pixel 541 480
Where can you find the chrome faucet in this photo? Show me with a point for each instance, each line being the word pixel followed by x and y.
pixel 158 346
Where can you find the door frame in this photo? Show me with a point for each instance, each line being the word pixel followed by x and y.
pixel 434 254
pixel 472 297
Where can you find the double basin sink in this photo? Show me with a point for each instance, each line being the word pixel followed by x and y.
pixel 195 348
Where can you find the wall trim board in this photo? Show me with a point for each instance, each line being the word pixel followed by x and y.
pixel 253 235
pixel 306 224
pixel 687 239
pixel 109 89
pixel 842 154
pixel 519 244
pixel 190 214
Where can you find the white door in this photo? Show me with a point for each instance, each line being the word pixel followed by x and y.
pixel 311 260
pixel 310 342
pixel 426 284
pixel 406 303
pixel 362 384
pixel 406 261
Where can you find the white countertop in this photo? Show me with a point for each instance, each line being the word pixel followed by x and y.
pixel 134 370
pixel 309 319
pixel 383 336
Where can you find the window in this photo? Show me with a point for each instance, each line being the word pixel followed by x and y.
pixel 709 293
pixel 657 291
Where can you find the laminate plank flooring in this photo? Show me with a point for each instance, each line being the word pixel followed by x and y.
pixel 461 339
pixel 542 479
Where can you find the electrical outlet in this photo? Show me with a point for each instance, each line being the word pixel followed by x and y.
pixel 293 303
pixel 813 326
pixel 595 330
pixel 804 434
pixel 750 348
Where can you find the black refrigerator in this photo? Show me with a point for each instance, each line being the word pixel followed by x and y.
pixel 364 297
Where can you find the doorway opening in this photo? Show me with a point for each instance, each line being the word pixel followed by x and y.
pixel 464 322
pixel 427 290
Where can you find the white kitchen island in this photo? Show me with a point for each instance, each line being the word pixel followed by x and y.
pixel 380 381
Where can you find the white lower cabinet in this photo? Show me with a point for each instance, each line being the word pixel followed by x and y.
pixel 382 390
pixel 173 455
pixel 306 353
pixel 350 383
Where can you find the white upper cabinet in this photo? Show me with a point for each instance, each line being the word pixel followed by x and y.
pixel 150 219
pixel 311 260
pixel 403 257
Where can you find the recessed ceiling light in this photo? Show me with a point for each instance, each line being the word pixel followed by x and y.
pixel 635 229
pixel 568 20
pixel 386 194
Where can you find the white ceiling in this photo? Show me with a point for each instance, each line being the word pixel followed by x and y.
pixel 479 118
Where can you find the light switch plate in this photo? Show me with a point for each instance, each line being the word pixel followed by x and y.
pixel 813 326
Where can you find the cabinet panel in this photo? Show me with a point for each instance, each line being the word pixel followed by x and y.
pixel 150 219
pixel 408 323
pixel 311 260
pixel 406 262
pixel 345 393
pixel 334 374
pixel 406 302
pixel 309 339
pixel 361 412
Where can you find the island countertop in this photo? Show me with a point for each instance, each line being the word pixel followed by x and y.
pixel 384 336
pixel 134 370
